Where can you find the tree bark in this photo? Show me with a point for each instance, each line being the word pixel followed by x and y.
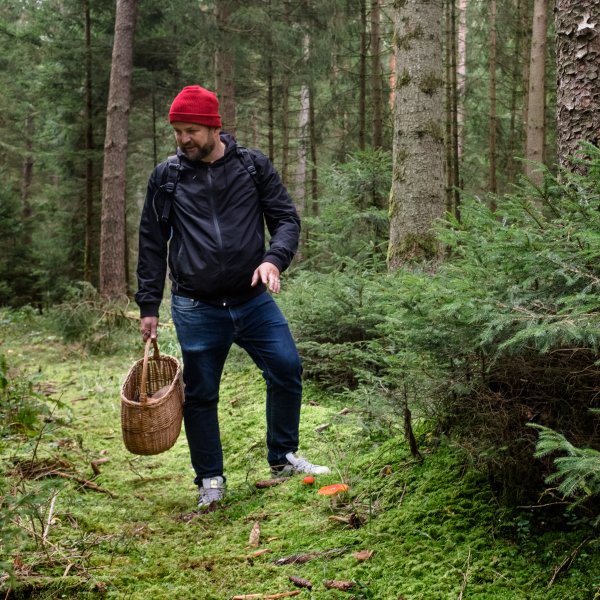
pixel 224 67
pixel 577 24
pixel 89 148
pixel 113 279
pixel 417 193
pixel 534 149
pixel 492 146
pixel 362 78
pixel 376 82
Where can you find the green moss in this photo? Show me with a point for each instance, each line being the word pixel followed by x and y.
pixel 430 525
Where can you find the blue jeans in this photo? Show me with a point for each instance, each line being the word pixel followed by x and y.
pixel 206 333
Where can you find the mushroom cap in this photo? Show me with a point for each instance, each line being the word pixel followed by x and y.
pixel 332 490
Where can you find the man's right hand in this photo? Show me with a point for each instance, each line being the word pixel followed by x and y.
pixel 149 328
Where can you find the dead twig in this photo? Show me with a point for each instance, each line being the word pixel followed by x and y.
pixel 49 519
pixel 566 561
pixel 463 587
pixel 83 482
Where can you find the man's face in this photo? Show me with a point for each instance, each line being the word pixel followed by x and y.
pixel 197 141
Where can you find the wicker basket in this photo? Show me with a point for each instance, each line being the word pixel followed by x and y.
pixel 152 425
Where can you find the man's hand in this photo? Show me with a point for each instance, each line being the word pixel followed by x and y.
pixel 149 327
pixel 268 273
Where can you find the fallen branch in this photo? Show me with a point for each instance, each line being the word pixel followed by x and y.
pixel 84 482
pixel 95 464
pixel 267 596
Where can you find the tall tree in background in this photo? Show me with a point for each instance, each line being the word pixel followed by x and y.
pixel 534 151
pixel 577 24
pixel 376 76
pixel 113 271
pixel 492 147
pixel 417 194
pixel 224 66
pixel 89 147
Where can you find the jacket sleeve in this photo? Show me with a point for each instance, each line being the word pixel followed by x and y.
pixel 280 215
pixel 153 248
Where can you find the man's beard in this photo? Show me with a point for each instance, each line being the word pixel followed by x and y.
pixel 196 152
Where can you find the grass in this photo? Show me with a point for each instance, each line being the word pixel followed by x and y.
pixel 434 527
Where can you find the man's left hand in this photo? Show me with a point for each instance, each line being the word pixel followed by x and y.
pixel 268 273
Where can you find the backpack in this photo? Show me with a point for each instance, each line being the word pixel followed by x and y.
pixel 172 177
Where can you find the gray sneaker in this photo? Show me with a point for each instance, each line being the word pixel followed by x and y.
pixel 212 490
pixel 297 464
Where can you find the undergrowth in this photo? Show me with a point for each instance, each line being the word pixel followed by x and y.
pixel 80 517
pixel 502 334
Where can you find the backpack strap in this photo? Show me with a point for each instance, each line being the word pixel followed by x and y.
pixel 246 157
pixel 168 188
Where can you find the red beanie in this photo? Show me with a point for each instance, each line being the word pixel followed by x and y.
pixel 194 104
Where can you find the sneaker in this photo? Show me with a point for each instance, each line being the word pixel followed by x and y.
pixel 212 490
pixel 297 464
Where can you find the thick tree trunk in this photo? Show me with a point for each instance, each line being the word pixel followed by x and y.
pixel 113 279
pixel 224 67
pixel 534 149
pixel 376 81
pixel 417 193
pixel 577 24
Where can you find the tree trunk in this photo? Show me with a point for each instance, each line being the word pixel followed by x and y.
pixel 452 158
pixel 285 128
pixel 362 78
pixel 376 82
pixel 461 73
pixel 224 67
pixel 417 193
pixel 89 148
pixel 304 133
pixel 492 146
pixel 26 181
pixel 270 109
pixel 534 149
pixel 113 280
pixel 577 24
pixel 516 94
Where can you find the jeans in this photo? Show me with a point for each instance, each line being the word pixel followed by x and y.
pixel 206 333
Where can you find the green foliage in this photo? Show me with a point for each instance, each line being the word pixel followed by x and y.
pixel 504 332
pixel 87 318
pixel 21 407
pixel 579 470
pixel 351 231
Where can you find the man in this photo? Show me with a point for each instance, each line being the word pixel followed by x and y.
pixel 212 238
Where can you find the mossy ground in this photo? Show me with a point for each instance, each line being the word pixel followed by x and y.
pixel 435 528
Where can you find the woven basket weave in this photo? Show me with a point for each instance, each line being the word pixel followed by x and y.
pixel 152 425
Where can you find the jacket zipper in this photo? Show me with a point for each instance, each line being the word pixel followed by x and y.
pixel 215 219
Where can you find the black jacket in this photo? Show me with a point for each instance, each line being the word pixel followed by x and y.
pixel 215 236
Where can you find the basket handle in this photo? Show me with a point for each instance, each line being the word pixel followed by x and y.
pixel 143 391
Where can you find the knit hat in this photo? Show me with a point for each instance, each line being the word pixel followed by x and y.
pixel 194 104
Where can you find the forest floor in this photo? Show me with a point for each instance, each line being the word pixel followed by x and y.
pixel 80 517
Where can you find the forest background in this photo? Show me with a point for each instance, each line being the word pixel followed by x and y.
pixel 448 272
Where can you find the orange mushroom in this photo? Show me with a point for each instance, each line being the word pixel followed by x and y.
pixel 332 490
